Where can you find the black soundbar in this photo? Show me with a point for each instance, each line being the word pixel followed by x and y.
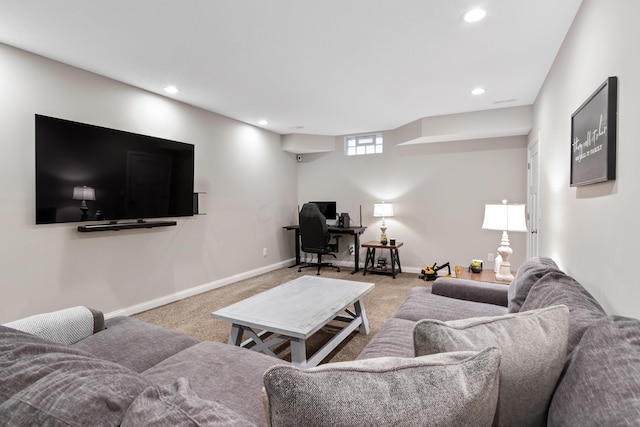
pixel 124 226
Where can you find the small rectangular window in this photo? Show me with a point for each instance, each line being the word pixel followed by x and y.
pixel 357 145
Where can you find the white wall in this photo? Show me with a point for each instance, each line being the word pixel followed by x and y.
pixel 438 190
pixel 250 184
pixel 591 231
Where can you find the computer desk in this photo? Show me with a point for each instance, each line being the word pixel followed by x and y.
pixel 333 229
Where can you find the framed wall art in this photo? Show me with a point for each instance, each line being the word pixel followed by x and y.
pixel 593 136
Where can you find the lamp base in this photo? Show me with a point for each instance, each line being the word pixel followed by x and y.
pixel 383 233
pixel 505 272
pixel 84 209
pixel 505 251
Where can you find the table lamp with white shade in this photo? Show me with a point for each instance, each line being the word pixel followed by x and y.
pixel 383 210
pixel 505 218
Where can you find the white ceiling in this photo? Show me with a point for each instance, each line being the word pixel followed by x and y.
pixel 327 67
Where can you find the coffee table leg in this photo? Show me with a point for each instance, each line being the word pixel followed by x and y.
pixel 235 336
pixel 364 327
pixel 298 352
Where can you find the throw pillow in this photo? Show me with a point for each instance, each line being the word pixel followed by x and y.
pixel 177 404
pixel 528 274
pixel 458 389
pixel 44 383
pixel 65 326
pixel 556 288
pixel 533 346
pixel 601 386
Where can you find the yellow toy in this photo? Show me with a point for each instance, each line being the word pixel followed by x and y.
pixel 430 272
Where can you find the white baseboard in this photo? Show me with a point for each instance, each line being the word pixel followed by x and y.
pixel 148 305
pixel 416 270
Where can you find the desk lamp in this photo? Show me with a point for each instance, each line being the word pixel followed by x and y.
pixel 383 210
pixel 504 217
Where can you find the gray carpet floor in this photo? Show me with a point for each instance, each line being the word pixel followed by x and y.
pixel 192 315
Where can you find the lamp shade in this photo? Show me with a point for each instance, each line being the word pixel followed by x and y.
pixel 504 218
pixel 383 210
pixel 84 193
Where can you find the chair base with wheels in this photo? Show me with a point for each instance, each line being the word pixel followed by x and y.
pixel 319 264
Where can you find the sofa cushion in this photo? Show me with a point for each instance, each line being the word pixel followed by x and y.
pixel 176 404
pixel 557 288
pixel 452 389
pixel 123 338
pixel 528 274
pixel 394 339
pixel 225 373
pixel 601 385
pixel 65 326
pixel 45 383
pixel 533 347
pixel 421 303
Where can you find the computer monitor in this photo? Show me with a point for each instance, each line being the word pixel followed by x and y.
pixel 328 209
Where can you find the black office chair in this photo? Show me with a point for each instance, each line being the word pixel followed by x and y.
pixel 315 237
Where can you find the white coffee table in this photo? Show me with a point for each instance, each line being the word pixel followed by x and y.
pixel 296 310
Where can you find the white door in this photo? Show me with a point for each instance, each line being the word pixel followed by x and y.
pixel 533 184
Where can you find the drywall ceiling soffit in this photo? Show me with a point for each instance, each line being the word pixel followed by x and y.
pixel 307 144
pixel 503 122
pixel 328 67
pixel 498 123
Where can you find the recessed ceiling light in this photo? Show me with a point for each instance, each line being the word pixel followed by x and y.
pixel 478 91
pixel 263 122
pixel 171 89
pixel 474 15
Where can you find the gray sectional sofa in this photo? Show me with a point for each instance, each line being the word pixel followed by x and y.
pixel 127 372
pixel 600 381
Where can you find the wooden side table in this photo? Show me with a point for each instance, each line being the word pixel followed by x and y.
pixel 369 262
pixel 485 275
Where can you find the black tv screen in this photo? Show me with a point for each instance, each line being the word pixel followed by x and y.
pixel 92 173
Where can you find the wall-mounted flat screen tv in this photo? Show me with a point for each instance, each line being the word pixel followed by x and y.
pixel 92 173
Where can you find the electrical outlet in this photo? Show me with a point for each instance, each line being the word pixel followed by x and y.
pixel 264 251
pixel 352 249
pixel 490 256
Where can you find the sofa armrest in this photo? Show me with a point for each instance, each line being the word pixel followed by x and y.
pixel 66 326
pixel 98 319
pixel 471 290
